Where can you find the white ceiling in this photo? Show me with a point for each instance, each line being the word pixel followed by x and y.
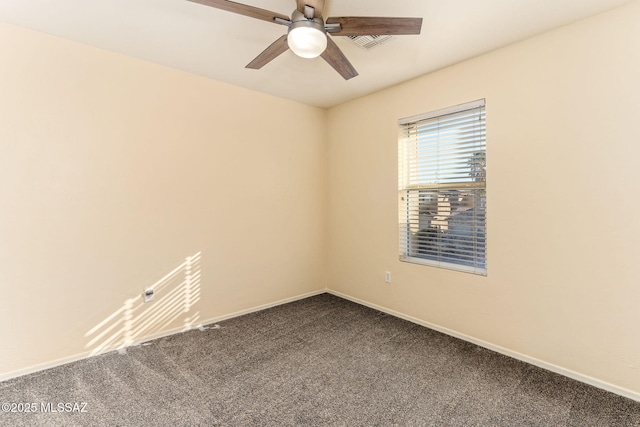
pixel 218 44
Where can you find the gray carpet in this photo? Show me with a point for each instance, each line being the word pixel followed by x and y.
pixel 319 361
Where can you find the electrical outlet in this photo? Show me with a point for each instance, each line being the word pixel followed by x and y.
pixel 148 295
pixel 387 276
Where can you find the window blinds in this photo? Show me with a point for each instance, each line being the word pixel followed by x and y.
pixel 442 186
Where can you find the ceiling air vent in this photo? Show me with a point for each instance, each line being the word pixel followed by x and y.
pixel 369 42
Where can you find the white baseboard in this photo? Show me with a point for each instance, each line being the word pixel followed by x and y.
pixel 88 354
pixel 514 354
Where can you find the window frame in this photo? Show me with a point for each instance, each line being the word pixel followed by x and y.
pixel 468 183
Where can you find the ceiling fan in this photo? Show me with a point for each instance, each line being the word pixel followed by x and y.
pixel 307 35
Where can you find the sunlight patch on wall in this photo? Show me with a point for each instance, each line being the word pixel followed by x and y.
pixel 174 297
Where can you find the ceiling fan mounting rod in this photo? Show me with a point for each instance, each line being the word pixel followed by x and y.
pixel 309 12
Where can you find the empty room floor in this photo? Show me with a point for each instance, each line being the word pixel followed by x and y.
pixel 318 361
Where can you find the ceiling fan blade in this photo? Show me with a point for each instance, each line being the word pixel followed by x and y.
pixel 243 9
pixel 269 54
pixel 318 5
pixel 373 26
pixel 334 56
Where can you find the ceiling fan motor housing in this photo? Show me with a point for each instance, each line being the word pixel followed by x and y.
pixel 306 37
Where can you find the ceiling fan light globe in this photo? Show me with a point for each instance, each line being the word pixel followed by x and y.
pixel 307 42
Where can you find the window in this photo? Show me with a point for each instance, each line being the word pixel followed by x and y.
pixel 442 185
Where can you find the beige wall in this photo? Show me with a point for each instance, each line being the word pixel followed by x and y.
pixel 119 174
pixel 563 150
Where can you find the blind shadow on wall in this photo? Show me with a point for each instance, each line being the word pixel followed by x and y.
pixel 174 297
